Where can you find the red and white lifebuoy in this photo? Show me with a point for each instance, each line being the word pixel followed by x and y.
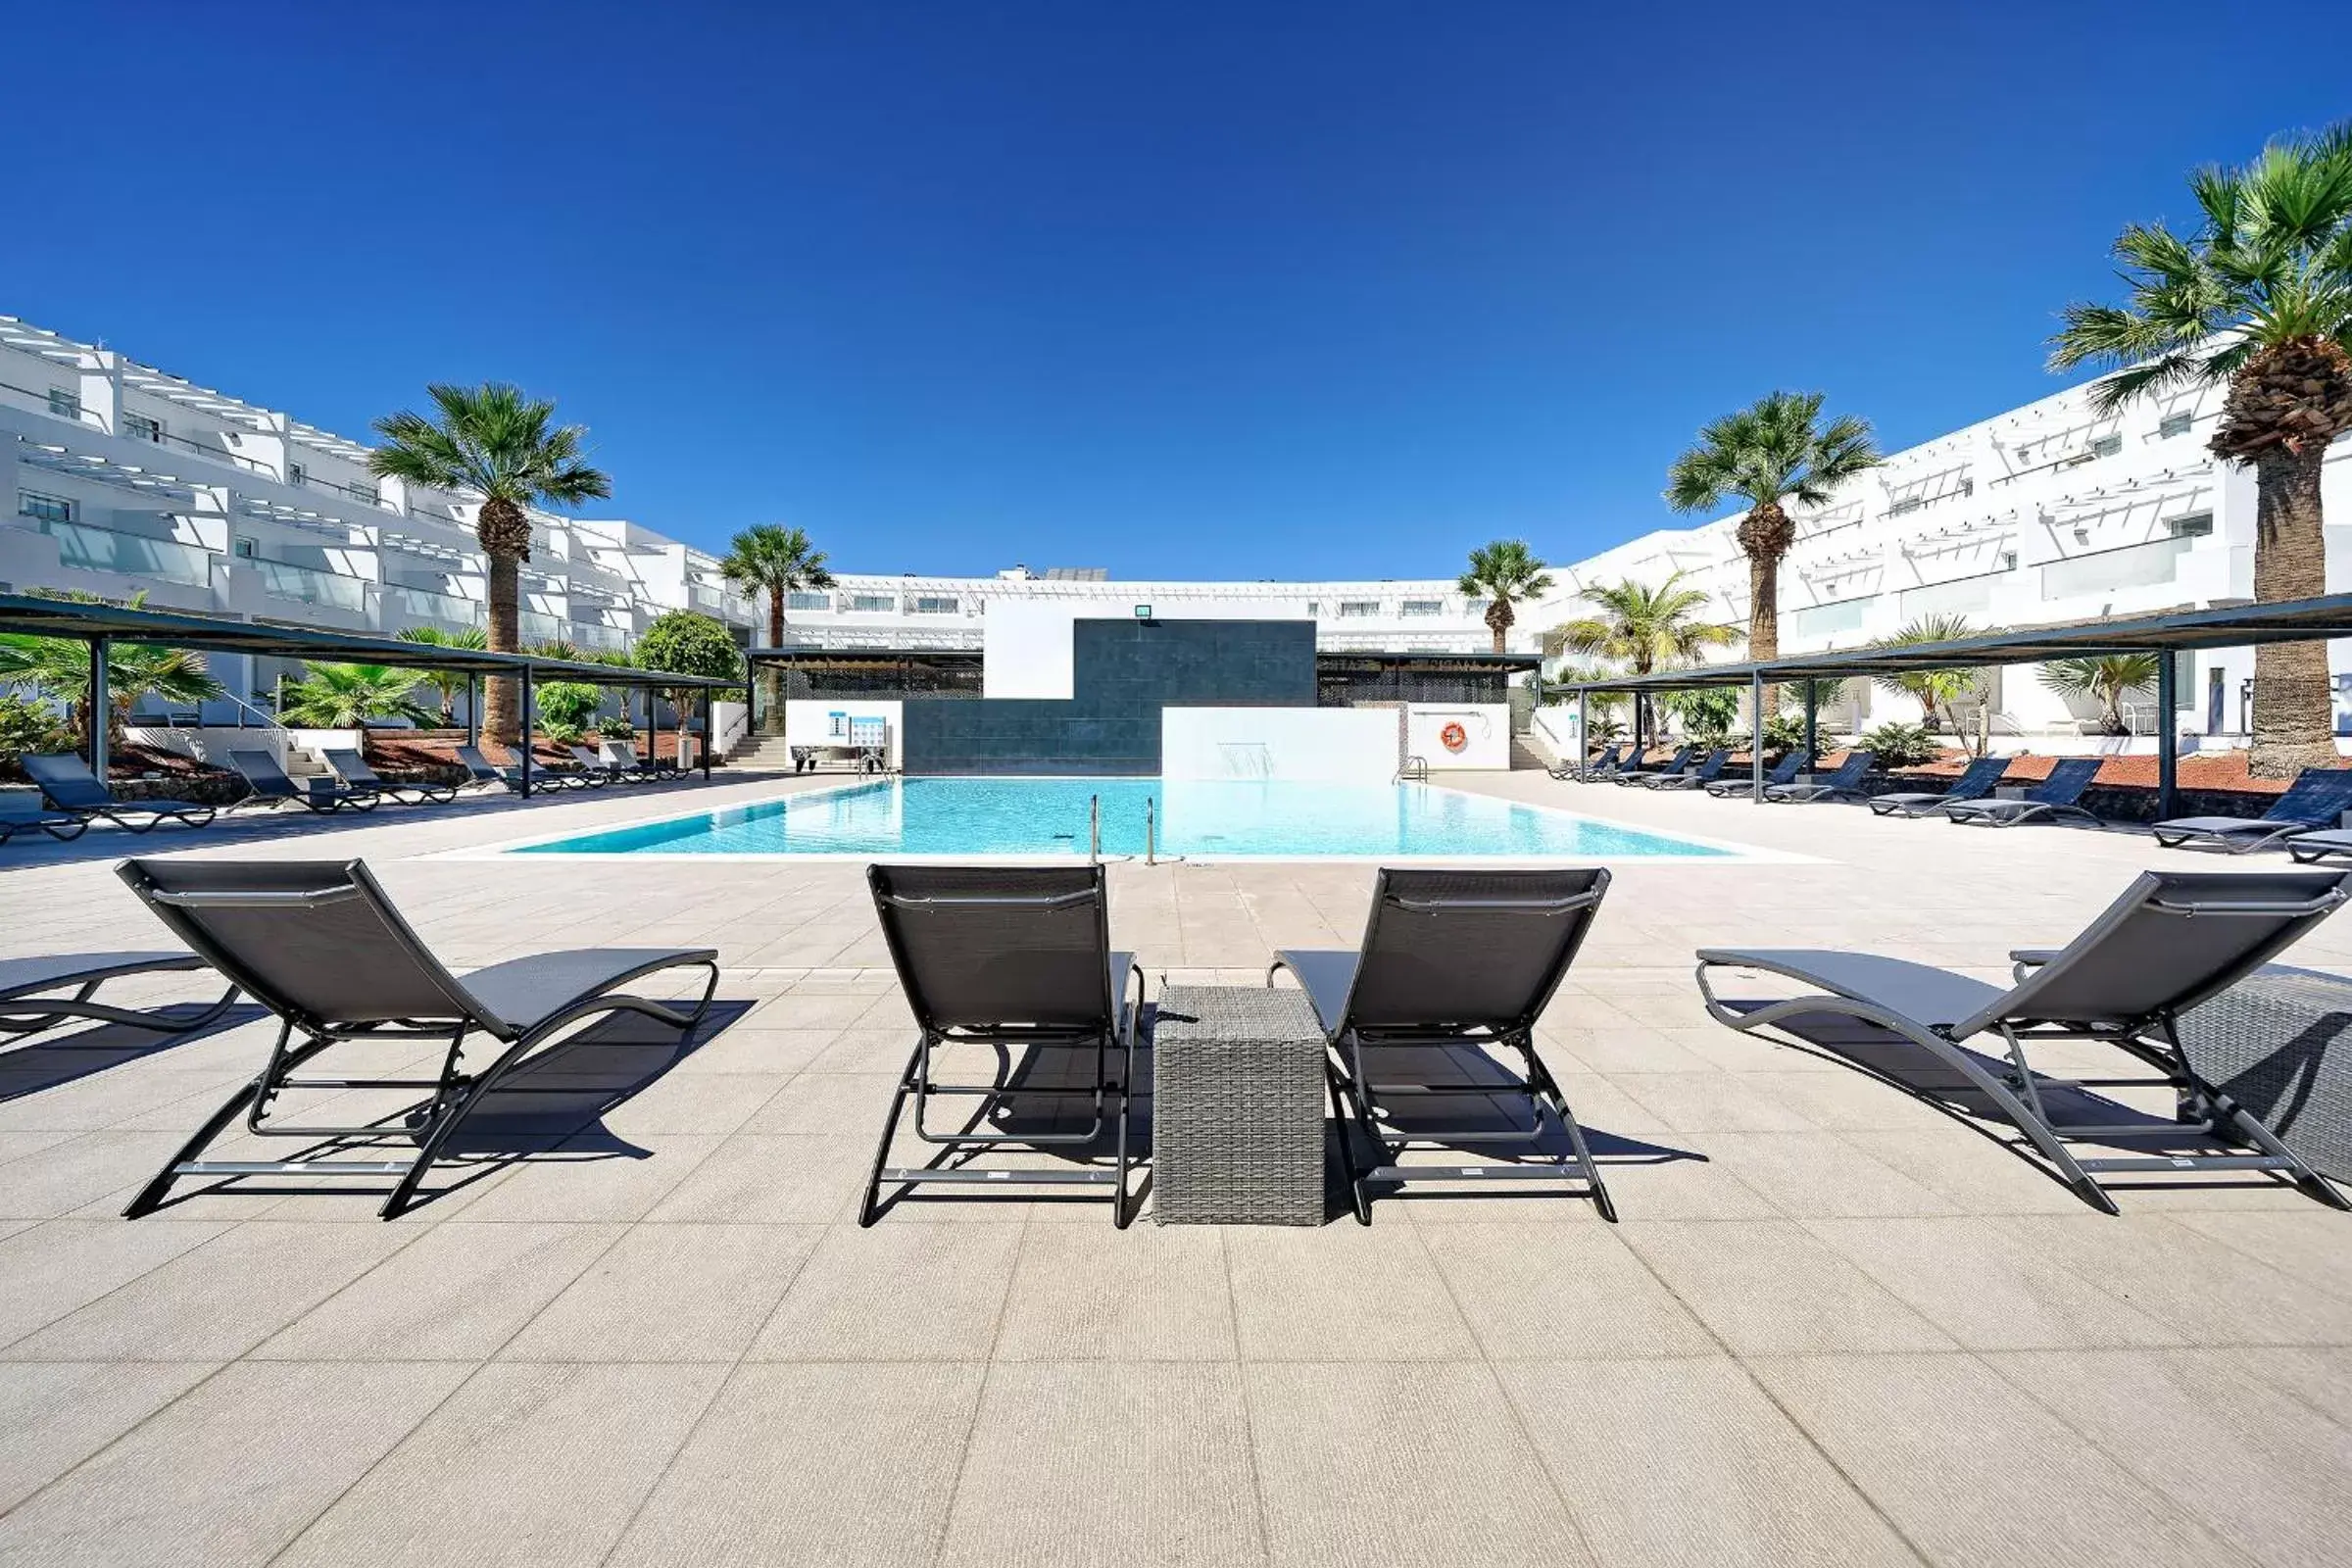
pixel 1453 737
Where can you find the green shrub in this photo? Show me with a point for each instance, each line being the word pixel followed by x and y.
pixel 614 727
pixel 1900 745
pixel 567 703
pixel 29 724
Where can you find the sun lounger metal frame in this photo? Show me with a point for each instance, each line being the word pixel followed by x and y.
pixel 353 769
pixel 1484 916
pixel 272 786
pixel 626 760
pixel 1707 772
pixel 2052 798
pixel 2171 941
pixel 1783 771
pixel 1634 773
pixel 1976 781
pixel 595 767
pixel 486 773
pixel 37 815
pixel 23 1010
pixel 86 796
pixel 267 925
pixel 1005 970
pixel 2327 790
pixel 1844 783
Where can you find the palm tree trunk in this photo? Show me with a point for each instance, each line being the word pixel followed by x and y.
pixel 500 718
pixel 2294 708
pixel 1764 628
pixel 772 677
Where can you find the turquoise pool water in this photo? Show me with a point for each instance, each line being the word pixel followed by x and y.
pixel 1044 816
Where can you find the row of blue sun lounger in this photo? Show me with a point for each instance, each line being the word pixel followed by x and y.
pixel 1441 998
pixel 71 796
pixel 2306 819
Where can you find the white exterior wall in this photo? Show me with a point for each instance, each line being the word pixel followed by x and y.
pixel 1324 745
pixel 1486 735
pixel 808 720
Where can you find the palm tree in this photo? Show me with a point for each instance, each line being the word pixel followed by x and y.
pixel 60 668
pixel 1503 574
pixel 1776 451
pixel 1941 692
pixel 1642 629
pixel 493 442
pixel 347 695
pixel 2257 298
pixel 777 561
pixel 2109 678
pixel 447 682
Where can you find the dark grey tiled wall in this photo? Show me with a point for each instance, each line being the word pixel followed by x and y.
pixel 1125 671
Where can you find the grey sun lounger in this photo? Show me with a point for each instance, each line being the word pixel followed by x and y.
pixel 353 769
pixel 2316 799
pixel 318 945
pixel 1458 962
pixel 1976 781
pixel 486 772
pixel 2173 939
pixel 1780 772
pixel 623 758
pixel 27 1009
pixel 28 813
pixel 1599 767
pixel 273 785
pixel 2053 798
pixel 1016 960
pixel 1693 778
pixel 67 784
pixel 1634 773
pixel 595 769
pixel 2316 846
pixel 1844 783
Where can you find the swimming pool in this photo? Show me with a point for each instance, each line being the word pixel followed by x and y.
pixel 1190 820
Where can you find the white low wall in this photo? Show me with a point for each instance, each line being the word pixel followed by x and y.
pixel 808 720
pixel 1330 745
pixel 1486 735
pixel 213 743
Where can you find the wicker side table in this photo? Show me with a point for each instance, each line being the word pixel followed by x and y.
pixel 2279 1043
pixel 1237 1108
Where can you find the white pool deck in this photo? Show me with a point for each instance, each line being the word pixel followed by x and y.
pixel 1834 1326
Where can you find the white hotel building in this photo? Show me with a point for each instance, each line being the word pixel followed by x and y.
pixel 124 479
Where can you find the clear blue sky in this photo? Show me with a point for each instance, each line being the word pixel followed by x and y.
pixel 1194 290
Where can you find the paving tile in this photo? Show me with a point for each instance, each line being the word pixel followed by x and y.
pixel 2231 1449
pixel 819 1464
pixel 61 1265
pixel 1973 1471
pixel 55 1415
pixel 716 1103
pixel 1712 1103
pixel 2202 1290
pixel 1766 1287
pixel 894 1293
pixel 1091 1462
pixel 1983 1286
pixel 219 1300
pixel 81 1169
pixel 828 1105
pixel 231 1472
pixel 1545 1290
pixel 457 1293
pixel 1152 1294
pixel 524 1465
pixel 593 1178
pixel 1342 1292
pixel 2307 1242
pixel 670 1292
pixel 1820 1175
pixel 756 1179
pixel 1398 1463
pixel 1686 1461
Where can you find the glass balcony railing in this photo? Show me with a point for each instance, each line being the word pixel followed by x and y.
pixel 282 579
pixel 2130 566
pixel 133 554
pixel 597 635
pixel 538 628
pixel 427 604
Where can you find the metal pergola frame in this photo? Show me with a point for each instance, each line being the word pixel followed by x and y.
pixel 2174 632
pixel 100 625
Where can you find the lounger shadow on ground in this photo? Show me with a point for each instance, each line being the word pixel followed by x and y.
pixel 1906 1068
pixel 60 1056
pixel 548 1110
pixel 1041 1072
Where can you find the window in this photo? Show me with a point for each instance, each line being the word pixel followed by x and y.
pixel 2195 526
pixel 1475 607
pixel 64 404
pixel 2106 446
pixel 2008 561
pixel 2172 424
pixel 296 473
pixel 245 549
pixel 873 604
pixel 1903 504
pixel 1314 607
pixel 43 509
pixel 139 427
pixel 801 600
pixel 1422 606
pixel 1357 609
pixel 931 604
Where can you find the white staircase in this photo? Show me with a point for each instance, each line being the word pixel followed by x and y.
pixel 761 751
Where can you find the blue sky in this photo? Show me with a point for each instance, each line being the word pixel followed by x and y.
pixel 1199 290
